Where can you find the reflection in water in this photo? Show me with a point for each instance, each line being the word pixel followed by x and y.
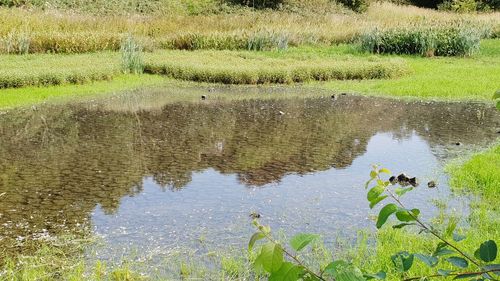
pixel 62 166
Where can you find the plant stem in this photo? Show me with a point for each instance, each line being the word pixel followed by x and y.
pixel 431 231
pixel 293 257
pixel 452 274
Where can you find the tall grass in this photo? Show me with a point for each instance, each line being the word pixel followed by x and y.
pixel 247 68
pixel 457 40
pixel 65 32
pixel 132 57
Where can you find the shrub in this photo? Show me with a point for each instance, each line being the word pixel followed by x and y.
pixel 461 6
pixel 356 5
pixel 458 40
pixel 131 53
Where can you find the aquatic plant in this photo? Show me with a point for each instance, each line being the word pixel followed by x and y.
pixel 132 57
pixel 460 40
pixel 280 263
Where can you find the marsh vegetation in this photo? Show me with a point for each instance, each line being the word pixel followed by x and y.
pixel 152 173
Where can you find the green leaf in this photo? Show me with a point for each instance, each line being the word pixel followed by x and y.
pixel 402 261
pixel 441 250
pixel 488 251
pixel 299 241
pixel 406 216
pixel 428 260
pixel 498 105
pixel 458 237
pixel 384 214
pixel 255 237
pixel 287 272
pixel 466 275
pixel 381 275
pixel 458 261
pixel 373 174
pixel 444 272
pixel 270 257
pixel 400 191
pixel 374 202
pixel 343 271
pixel 384 171
pixel 374 192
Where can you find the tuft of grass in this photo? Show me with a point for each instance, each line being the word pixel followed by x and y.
pixel 132 58
pixel 248 68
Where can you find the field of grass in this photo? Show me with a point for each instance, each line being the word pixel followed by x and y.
pixel 449 78
pixel 69 32
pixel 473 78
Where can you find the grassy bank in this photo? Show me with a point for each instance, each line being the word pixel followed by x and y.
pixel 445 78
pixel 11 98
pixel 473 78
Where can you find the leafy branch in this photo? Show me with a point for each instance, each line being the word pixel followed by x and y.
pixel 487 251
pixel 282 264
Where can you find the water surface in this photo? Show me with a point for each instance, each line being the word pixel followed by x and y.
pixel 151 176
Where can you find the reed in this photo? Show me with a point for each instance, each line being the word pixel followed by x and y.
pixel 58 31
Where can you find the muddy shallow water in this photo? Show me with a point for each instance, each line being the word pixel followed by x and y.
pixel 156 178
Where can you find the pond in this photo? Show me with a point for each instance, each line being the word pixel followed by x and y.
pixel 149 176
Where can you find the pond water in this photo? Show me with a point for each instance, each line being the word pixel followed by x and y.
pixel 151 179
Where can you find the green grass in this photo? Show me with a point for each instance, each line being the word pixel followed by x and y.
pixel 480 174
pixel 46 69
pixel 10 98
pixel 471 78
pixel 237 67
